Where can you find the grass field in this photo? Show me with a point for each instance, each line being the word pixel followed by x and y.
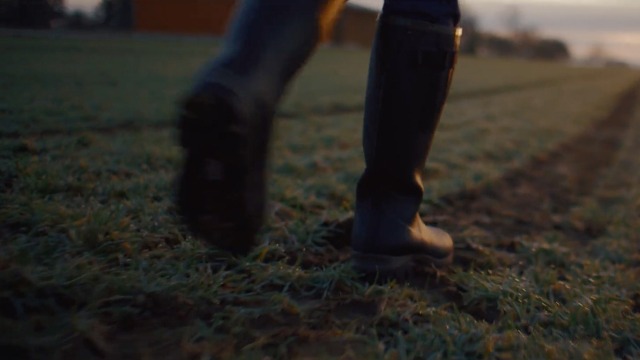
pixel 535 171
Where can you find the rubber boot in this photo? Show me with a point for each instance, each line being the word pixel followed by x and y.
pixel 410 72
pixel 225 121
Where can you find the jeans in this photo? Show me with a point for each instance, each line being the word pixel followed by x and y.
pixel 443 12
pixel 269 40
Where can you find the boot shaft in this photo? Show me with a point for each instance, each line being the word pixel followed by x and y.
pixel 410 71
pixel 409 77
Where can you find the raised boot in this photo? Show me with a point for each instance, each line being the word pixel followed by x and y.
pixel 225 120
pixel 409 76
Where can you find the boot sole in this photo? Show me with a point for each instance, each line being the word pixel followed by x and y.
pixel 385 267
pixel 212 186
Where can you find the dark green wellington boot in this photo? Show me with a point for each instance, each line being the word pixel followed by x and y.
pixel 225 121
pixel 410 71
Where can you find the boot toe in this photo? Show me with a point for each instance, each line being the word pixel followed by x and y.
pixel 436 243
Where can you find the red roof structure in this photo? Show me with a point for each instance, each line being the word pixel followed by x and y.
pixel 356 25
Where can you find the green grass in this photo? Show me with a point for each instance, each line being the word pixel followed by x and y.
pixel 94 263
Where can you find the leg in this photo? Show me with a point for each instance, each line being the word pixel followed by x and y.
pixel 226 118
pixel 409 76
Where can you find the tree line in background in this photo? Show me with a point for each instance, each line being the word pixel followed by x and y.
pixel 47 14
pixel 519 41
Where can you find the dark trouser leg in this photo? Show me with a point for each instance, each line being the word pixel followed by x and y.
pixel 410 72
pixel 226 118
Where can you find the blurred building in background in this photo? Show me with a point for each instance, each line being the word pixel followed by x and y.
pixel 208 17
pixel 211 17
pixel 356 26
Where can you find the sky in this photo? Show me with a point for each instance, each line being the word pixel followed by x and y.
pixel 584 24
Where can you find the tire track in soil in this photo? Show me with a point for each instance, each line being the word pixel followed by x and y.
pixel 533 199
pixel 350 109
pixel 132 125
pixel 536 197
pixel 539 196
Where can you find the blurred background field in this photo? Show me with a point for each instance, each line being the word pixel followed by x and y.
pixel 94 262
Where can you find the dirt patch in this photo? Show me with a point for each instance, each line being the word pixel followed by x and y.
pixel 539 196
